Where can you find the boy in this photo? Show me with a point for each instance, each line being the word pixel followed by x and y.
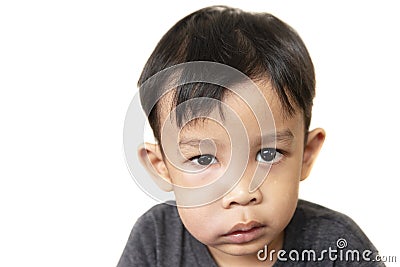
pixel 228 95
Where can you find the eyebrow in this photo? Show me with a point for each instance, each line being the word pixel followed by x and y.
pixel 286 136
pixel 195 142
pixel 190 142
pixel 187 145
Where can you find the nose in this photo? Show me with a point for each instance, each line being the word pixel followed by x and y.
pixel 240 195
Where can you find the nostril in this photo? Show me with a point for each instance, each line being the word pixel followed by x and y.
pixel 242 198
pixel 234 203
pixel 251 201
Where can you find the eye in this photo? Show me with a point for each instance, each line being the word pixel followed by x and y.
pixel 269 155
pixel 204 160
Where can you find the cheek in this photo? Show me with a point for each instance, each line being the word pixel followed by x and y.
pixel 286 205
pixel 194 176
pixel 198 219
pixel 280 192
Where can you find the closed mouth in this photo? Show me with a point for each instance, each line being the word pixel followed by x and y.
pixel 244 232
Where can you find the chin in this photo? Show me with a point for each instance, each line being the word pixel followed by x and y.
pixel 241 249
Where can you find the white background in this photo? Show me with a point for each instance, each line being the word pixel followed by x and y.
pixel 68 71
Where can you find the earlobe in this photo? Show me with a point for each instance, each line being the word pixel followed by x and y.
pixel 151 158
pixel 314 143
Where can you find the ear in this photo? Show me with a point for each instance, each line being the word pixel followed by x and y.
pixel 152 159
pixel 314 143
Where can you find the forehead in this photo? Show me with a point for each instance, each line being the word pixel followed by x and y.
pixel 255 112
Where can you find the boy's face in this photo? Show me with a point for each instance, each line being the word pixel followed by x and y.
pixel 242 221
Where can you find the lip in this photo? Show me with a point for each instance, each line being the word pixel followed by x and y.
pixel 244 232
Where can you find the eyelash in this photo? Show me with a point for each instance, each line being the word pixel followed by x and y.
pixel 196 158
pixel 278 152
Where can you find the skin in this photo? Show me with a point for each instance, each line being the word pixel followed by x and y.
pixel 271 205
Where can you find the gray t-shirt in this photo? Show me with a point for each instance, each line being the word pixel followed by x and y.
pixel 316 236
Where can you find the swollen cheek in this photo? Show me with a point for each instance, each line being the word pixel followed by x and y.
pixel 290 203
pixel 199 226
pixel 282 201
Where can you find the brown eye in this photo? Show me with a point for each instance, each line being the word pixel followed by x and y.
pixel 204 160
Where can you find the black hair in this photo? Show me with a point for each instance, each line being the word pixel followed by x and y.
pixel 258 44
